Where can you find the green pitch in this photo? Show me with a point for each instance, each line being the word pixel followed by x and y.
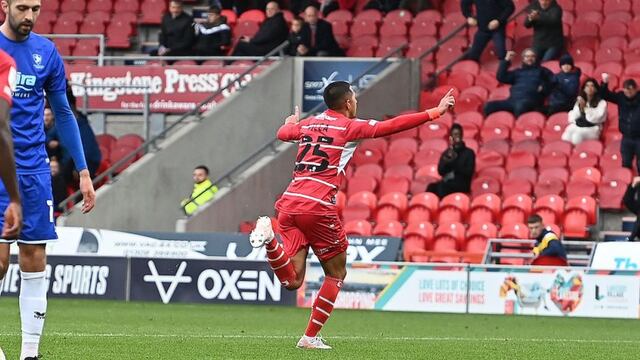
pixel 95 330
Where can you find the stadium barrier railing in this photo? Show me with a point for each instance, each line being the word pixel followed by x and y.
pixel 579 253
pixel 194 114
pixel 271 145
pixel 146 107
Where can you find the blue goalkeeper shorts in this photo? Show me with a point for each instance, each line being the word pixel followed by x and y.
pixel 37 209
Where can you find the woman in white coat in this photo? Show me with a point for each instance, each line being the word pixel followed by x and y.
pixel 587 115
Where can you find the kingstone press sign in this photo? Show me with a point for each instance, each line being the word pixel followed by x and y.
pixel 206 281
pixel 171 89
pixel 76 277
pixel 320 73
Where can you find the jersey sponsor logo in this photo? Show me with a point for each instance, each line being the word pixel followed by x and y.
pixel 24 85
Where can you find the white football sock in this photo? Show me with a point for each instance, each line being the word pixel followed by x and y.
pixel 33 308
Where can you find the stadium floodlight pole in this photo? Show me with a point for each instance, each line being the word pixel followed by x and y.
pixel 142 149
pixel 270 144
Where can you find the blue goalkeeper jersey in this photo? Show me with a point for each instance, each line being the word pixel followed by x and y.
pixel 40 69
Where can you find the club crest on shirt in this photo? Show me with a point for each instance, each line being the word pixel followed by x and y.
pixel 37 61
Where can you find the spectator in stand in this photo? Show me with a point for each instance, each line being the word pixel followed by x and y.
pixel 456 166
pixel 213 36
pixel 272 32
pixel 631 201
pixel 203 190
pixel 299 42
pixel 545 16
pixel 58 185
pixel 416 6
pixel 565 86
pixel 548 243
pixel 322 41
pixel 529 84
pixel 176 32
pixel 491 19
pixel 53 146
pixel 628 101
pixel 89 143
pixel 587 116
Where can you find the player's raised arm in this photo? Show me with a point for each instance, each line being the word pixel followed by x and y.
pixel 290 131
pixel 372 129
pixel 13 212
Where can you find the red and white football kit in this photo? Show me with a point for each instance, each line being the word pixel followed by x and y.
pixel 7 77
pixel 307 212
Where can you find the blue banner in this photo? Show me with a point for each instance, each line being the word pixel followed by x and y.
pixel 320 73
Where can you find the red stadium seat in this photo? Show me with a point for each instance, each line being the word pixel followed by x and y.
pixel 340 15
pixel 129 6
pixel 358 184
pixel 426 157
pixel 582 159
pixel 580 187
pixel 485 185
pixel 530 146
pixel 422 207
pixel 50 6
pixel 453 208
pixel 408 143
pixel 611 28
pixel 417 236
pixel 622 175
pixel 494 133
pixel 611 194
pixel 364 155
pixel 488 159
pixel 531 118
pixel 66 26
pixel 152 11
pixel 520 159
pixel 525 173
pixel 514 231
pixel 485 208
pixel 433 130
pixel 500 146
pixel 372 170
pixel 559 146
pixel 393 184
pixel 494 172
pixel 392 206
pixel 73 5
pixel 550 208
pixel 366 198
pixel 358 227
pixel 549 186
pixel 516 209
pixel 587 173
pixel 551 160
pixel 388 228
pixel 586 204
pixel 357 212
pixel 403 171
pixel 454 231
pixel 512 187
pixel 561 174
pixel 362 27
pixel 253 15
pixel 592 146
pixel 483 231
pixel 99 5
pixel 584 28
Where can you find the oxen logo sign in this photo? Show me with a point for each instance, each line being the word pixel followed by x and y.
pixel 173 280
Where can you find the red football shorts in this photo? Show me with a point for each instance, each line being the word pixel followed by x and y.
pixel 324 233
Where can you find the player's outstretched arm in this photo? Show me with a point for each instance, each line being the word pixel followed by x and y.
pixel 70 138
pixel 290 131
pixel 403 122
pixel 13 212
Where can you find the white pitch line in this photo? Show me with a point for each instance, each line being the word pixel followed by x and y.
pixel 337 337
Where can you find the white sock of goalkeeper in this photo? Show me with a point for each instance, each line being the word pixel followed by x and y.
pixel 33 308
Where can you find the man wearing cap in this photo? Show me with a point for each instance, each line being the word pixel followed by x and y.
pixel 564 87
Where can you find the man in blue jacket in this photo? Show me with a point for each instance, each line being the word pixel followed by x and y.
pixel 529 85
pixel 565 86
pixel 491 19
pixel 628 101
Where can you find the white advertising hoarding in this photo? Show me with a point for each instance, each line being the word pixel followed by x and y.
pixel 617 255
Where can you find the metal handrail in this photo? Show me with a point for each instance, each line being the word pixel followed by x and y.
pixel 228 174
pixel 110 172
pixel 146 109
pixel 101 38
pixel 448 67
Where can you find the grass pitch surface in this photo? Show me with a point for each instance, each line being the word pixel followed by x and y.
pixel 99 330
